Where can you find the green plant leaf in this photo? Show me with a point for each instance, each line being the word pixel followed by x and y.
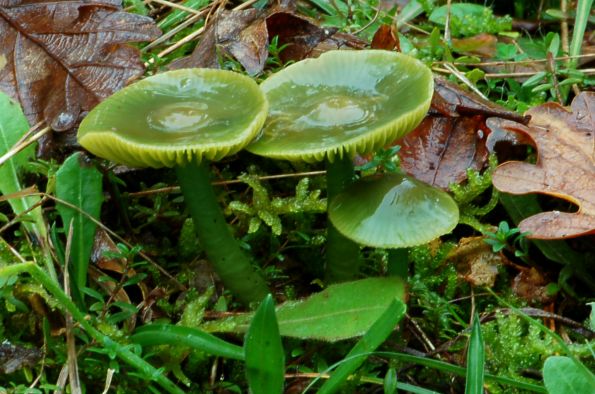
pixel 13 125
pixel 375 336
pixel 265 359
pixel 341 311
pixel 168 334
pixel 562 375
pixel 79 184
pixel 475 360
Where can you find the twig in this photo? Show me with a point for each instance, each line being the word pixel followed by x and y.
pixel 175 5
pixel 176 189
pixel 19 146
pixel 464 79
pixel 514 62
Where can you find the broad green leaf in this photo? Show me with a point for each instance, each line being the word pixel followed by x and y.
pixel 341 311
pixel 375 336
pixel 79 184
pixel 13 125
pixel 390 381
pixel 475 360
pixel 167 334
pixel 265 359
pixel 562 375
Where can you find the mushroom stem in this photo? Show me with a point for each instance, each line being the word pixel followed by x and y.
pixel 397 264
pixel 223 251
pixel 342 254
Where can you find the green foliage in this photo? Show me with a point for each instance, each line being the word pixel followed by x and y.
pixel 508 238
pixel 466 195
pixel 371 340
pixel 433 284
pixel 265 210
pixel 561 375
pixel 513 346
pixel 470 19
pixel 263 351
pixel 475 360
pixel 79 184
pixel 339 312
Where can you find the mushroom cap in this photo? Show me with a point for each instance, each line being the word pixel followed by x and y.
pixel 176 117
pixel 393 211
pixel 343 102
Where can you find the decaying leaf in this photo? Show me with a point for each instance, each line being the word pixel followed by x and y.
pixel 387 38
pixel 476 262
pixel 245 35
pixel 452 138
pixel 531 285
pixel 63 57
pixel 565 167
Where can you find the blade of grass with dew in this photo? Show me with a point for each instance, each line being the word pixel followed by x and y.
pixel 13 124
pixel 263 351
pixel 375 336
pixel 475 360
pixel 168 334
pixel 80 184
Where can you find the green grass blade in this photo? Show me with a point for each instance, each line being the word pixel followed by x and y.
pixel 460 371
pixel 167 334
pixel 79 184
pixel 375 336
pixel 583 10
pixel 475 360
pixel 265 359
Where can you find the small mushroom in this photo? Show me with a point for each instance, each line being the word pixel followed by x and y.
pixel 342 103
pixel 184 119
pixel 393 211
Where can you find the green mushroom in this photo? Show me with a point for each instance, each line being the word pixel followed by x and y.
pixel 336 106
pixel 185 119
pixel 399 212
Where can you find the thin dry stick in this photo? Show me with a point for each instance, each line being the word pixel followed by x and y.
pixel 193 35
pixel 22 145
pixel 174 31
pixel 73 369
pixel 551 67
pixel 108 380
pixel 176 189
pixel 447 38
pixel 464 79
pixel 175 5
pixel 586 71
pixel 513 62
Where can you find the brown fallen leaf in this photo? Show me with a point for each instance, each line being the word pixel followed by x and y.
pixel 245 35
pixel 64 57
pixel 14 357
pixel 565 167
pixel 476 262
pixel 387 38
pixel 483 45
pixel 452 138
pixel 240 33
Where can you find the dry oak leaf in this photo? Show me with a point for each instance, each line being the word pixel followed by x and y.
pixel 61 58
pixel 565 167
